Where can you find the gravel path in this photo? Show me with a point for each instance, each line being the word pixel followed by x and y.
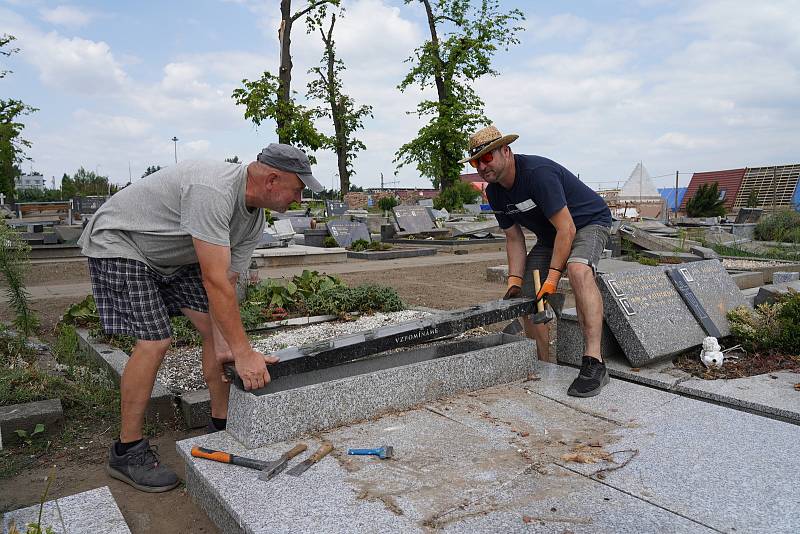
pixel 751 264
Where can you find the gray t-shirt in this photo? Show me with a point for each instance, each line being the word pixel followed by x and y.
pixel 153 220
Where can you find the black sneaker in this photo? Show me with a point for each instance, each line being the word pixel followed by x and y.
pixel 140 468
pixel 591 378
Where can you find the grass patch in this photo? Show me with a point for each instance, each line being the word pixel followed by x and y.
pixel 89 397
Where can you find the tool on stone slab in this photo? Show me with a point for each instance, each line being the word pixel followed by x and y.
pixel 268 469
pixel 541 316
pixel 320 453
pixel 387 451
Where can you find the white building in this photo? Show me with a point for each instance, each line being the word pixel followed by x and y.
pixel 29 181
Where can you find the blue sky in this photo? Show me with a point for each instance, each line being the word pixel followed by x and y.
pixel 597 86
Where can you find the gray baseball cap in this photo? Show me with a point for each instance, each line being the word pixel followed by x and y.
pixel 290 159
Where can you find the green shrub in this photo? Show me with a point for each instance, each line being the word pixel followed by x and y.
pixel 387 203
pixel 647 261
pixel 770 327
pixel 782 225
pixel 14 253
pixel 366 298
pixel 706 202
pixel 454 197
pixel 329 242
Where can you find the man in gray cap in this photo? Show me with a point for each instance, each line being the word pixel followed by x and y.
pixel 175 243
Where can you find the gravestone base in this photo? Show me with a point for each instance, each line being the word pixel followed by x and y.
pixel 340 395
pixel 569 340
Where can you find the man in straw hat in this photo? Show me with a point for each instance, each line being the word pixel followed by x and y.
pixel 175 243
pixel 572 225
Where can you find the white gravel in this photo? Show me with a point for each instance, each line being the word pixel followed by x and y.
pixel 182 370
pixel 750 264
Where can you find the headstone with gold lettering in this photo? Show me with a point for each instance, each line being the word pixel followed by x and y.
pixel 651 320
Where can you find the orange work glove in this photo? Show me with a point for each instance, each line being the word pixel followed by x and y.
pixel 514 287
pixel 550 285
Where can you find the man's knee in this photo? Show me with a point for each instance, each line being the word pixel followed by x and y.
pixel 153 348
pixel 579 274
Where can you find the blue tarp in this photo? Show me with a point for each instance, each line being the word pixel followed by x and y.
pixel 669 194
pixel 796 198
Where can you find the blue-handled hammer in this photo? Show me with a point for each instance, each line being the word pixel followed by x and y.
pixel 387 451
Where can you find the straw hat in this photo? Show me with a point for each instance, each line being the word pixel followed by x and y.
pixel 486 140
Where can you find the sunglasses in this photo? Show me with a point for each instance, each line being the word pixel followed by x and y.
pixel 485 159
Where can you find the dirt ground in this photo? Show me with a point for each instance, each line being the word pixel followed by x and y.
pixel 450 286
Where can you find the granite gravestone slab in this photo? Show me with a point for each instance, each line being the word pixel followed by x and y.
pixel 345 232
pixel 748 215
pixel 335 209
pixel 414 219
pixel 300 223
pixel 649 318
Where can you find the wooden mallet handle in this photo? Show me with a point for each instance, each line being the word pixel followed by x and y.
pixel 322 452
pixel 537 285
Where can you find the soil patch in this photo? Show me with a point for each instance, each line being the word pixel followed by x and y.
pixel 737 364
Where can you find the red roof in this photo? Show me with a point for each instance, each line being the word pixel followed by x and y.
pixel 729 181
pixel 471 177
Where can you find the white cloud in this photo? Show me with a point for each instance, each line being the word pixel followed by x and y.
pixel 68 16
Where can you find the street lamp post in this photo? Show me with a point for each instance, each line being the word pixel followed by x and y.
pixel 175 140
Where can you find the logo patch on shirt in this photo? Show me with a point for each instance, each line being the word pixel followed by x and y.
pixel 525 205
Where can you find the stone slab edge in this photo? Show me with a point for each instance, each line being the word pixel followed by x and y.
pixel 89 511
pixel 27 415
pixel 256 421
pixel 161 405
pixel 391 254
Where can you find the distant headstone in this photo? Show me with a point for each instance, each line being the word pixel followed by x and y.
pixel 651 320
pixel 300 223
pixel 345 232
pixel 335 209
pixel 426 202
pixel 284 228
pixel 748 215
pixel 473 208
pixel 781 277
pixel 704 252
pixel 414 219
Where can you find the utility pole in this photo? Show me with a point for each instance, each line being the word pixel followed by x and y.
pixel 175 140
pixel 676 194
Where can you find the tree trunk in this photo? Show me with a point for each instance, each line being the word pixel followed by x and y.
pixel 285 71
pixel 441 90
pixel 337 110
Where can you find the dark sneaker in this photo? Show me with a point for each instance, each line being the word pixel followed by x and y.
pixel 140 468
pixel 591 378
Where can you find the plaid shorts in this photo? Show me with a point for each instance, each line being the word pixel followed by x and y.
pixel 135 300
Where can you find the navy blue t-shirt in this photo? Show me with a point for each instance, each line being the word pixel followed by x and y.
pixel 541 188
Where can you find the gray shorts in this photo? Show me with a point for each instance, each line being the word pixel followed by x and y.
pixel 587 247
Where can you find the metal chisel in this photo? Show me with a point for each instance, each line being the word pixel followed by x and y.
pixel 300 468
pixel 280 464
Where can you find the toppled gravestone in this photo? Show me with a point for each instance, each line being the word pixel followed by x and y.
pixel 771 293
pixel 651 320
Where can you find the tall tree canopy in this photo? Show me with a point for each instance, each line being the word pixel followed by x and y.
pixel 86 183
pixel 463 40
pixel 271 97
pixel 12 145
pixel 341 108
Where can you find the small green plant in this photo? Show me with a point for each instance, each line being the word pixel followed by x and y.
pixel 706 202
pixel 365 298
pixel 329 242
pixel 647 261
pixel 27 437
pixel 83 313
pixel 752 199
pixel 454 197
pixel 13 261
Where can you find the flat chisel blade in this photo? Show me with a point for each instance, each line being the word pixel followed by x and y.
pixel 301 468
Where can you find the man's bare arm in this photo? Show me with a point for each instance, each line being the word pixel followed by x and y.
pixel 565 235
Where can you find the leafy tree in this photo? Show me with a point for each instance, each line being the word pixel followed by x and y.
pixel 86 183
pixel 387 203
pixel 234 159
pixel 341 108
pixel 38 195
pixel 356 188
pixel 752 199
pixel 454 196
pixel 271 97
pixel 706 202
pixel 151 169
pixel 12 145
pixel 451 64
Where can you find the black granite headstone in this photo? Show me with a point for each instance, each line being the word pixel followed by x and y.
pixel 345 232
pixel 414 219
pixel 334 208
pixel 748 215
pixel 681 278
